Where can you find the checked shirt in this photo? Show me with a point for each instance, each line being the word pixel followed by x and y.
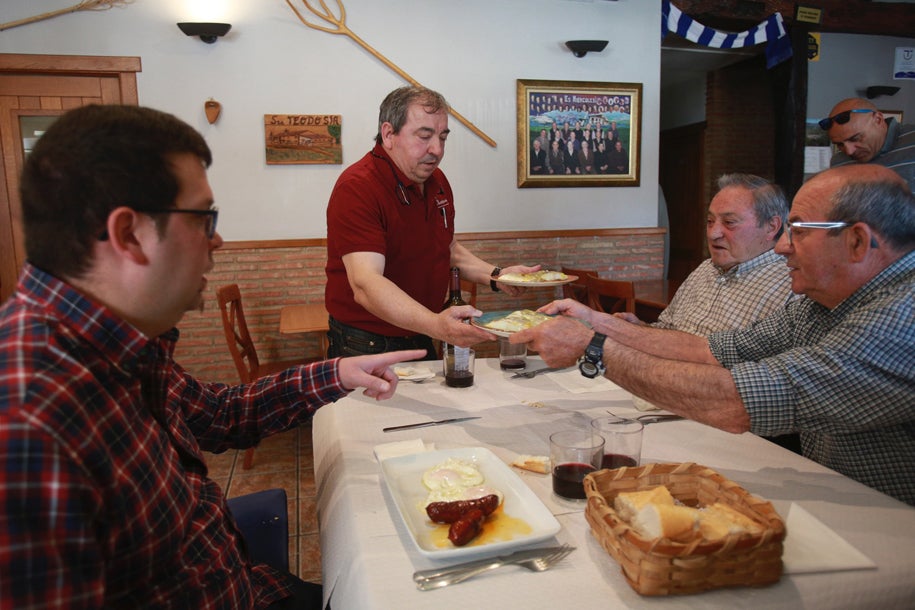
pixel 844 378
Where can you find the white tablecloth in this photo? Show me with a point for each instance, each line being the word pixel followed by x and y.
pixel 368 556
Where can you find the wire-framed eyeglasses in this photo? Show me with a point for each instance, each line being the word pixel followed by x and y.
pixel 813 225
pixel 840 118
pixel 211 217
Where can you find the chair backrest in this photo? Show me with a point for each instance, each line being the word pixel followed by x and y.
pixel 237 336
pixel 610 296
pixel 470 288
pixel 578 289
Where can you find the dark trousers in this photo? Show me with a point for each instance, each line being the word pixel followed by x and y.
pixel 305 596
pixel 345 340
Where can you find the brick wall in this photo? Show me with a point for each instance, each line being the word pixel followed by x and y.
pixel 740 122
pixel 273 274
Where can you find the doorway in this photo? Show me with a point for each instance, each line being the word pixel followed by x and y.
pixel 34 91
pixel 716 117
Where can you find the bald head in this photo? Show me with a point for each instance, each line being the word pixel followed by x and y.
pixel 866 193
pixel 852 103
pixel 864 172
pixel 857 129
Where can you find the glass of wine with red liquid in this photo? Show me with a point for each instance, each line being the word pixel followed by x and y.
pixel 574 454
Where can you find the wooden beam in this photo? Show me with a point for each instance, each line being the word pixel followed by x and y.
pixel 847 16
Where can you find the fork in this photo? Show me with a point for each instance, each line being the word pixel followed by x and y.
pixel 534 373
pixel 428 580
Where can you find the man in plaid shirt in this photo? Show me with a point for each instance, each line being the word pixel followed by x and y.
pixel 838 366
pixel 104 496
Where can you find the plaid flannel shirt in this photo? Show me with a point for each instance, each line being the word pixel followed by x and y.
pixel 104 498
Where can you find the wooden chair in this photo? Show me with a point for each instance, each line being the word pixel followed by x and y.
pixel 610 296
pixel 578 289
pixel 241 346
pixel 469 288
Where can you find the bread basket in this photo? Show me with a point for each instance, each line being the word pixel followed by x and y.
pixel 664 567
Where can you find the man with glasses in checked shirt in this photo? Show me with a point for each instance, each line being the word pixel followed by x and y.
pixel 861 134
pixel 838 365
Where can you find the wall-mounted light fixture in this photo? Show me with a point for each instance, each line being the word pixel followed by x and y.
pixel 580 48
pixel 208 32
pixel 878 90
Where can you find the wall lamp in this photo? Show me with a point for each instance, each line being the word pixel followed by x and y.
pixel 580 48
pixel 208 32
pixel 879 90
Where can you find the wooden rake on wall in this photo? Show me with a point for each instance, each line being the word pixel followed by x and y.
pixel 84 5
pixel 337 25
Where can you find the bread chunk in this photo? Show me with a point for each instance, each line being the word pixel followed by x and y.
pixel 629 503
pixel 667 521
pixel 533 463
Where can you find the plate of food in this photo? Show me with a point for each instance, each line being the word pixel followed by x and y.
pixel 468 491
pixel 507 322
pixel 537 278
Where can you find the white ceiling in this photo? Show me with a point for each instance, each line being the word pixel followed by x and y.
pixel 683 61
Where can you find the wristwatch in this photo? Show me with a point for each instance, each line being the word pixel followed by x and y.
pixel 591 363
pixel 496 271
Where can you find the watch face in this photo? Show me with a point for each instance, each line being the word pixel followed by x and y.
pixel 588 369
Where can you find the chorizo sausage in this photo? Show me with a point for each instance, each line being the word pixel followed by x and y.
pixel 467 527
pixel 449 512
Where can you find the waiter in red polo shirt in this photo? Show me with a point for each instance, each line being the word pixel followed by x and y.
pixel 390 239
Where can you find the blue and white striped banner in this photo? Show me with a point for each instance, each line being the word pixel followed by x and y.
pixel 771 31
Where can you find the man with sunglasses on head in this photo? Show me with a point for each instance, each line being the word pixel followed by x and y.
pixel 390 239
pixel 106 500
pixel 861 134
pixel 837 366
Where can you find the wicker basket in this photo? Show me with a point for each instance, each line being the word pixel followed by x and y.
pixel 663 566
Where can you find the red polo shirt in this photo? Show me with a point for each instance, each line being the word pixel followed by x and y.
pixel 366 214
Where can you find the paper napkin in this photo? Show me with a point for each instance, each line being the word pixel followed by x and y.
pixel 399 448
pixel 576 383
pixel 811 546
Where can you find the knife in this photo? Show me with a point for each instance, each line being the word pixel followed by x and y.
pixel 421 576
pixel 453 420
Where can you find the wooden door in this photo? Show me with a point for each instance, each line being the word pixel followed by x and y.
pixel 682 176
pixel 34 89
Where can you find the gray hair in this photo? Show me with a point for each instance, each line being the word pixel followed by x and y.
pixel 768 198
pixel 394 107
pixel 886 207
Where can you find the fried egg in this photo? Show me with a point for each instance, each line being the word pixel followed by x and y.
pixel 454 480
pixel 450 474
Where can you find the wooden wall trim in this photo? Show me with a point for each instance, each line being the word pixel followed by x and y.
pixel 22 62
pixel 269 244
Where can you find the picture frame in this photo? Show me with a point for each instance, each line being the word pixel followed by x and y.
pixel 895 114
pixel 303 139
pixel 572 113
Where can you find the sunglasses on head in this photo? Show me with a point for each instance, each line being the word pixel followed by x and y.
pixel 840 118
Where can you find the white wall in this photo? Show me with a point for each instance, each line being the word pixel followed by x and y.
pixel 472 51
pixel 849 63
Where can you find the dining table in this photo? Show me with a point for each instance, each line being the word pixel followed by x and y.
pixel 847 545
pixel 306 318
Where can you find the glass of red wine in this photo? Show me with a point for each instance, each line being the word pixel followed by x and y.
pixel 622 440
pixel 574 454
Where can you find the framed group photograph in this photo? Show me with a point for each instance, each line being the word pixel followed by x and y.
pixel 576 133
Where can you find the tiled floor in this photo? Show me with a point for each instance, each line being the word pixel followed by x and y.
pixel 285 460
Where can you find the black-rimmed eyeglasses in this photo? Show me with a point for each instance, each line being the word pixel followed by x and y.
pixel 210 215
pixel 840 118
pixel 813 225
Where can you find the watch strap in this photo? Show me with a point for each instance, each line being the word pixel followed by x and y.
pixel 496 272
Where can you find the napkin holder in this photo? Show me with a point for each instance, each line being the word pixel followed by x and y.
pixel 664 567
